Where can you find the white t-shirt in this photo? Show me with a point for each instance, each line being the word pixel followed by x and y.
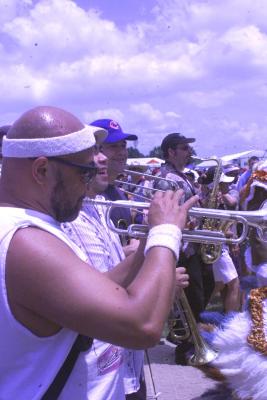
pixel 28 363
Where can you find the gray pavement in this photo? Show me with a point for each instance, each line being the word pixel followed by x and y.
pixel 167 381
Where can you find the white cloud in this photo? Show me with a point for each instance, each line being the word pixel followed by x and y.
pixel 198 66
pixel 157 119
pixel 250 41
pixel 207 99
pixel 22 84
pixel 11 8
pixel 189 17
pixel 111 113
pixel 147 111
pixel 75 49
pixel 59 29
pixel 172 114
pixel 252 133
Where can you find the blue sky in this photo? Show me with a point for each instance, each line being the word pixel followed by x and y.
pixel 119 11
pixel 198 67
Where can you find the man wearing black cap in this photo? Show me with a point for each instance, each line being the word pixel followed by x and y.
pixel 176 153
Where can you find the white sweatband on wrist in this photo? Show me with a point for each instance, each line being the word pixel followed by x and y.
pixel 53 146
pixel 165 235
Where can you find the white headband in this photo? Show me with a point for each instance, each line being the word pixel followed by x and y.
pixel 54 146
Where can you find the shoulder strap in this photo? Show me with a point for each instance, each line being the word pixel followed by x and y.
pixel 82 343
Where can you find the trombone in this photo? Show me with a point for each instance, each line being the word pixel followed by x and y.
pixel 159 184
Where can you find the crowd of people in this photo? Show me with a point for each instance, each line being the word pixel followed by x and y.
pixel 81 303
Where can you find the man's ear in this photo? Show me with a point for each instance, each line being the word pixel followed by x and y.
pixel 39 169
pixel 171 152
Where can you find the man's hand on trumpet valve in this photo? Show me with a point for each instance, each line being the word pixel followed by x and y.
pixel 181 280
pixel 165 208
pixel 131 247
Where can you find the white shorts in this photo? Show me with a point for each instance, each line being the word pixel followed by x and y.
pixel 224 269
pixel 260 270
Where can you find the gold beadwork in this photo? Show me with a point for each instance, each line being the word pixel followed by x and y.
pixel 260 175
pixel 256 338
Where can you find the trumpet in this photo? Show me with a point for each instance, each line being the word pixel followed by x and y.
pixel 203 353
pixel 256 219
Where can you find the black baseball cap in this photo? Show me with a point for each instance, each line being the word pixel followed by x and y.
pixel 173 139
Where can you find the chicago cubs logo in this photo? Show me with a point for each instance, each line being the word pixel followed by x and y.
pixel 114 125
pixel 110 360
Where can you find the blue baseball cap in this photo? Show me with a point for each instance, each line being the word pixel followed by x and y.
pixel 115 133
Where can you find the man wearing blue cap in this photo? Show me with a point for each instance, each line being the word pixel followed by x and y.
pixel 115 149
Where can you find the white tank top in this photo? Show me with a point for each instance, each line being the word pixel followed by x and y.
pixel 28 363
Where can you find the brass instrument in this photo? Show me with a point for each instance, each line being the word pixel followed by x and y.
pixel 203 353
pixel 179 329
pixel 211 252
pixel 165 184
pixel 169 183
pixel 122 224
pixel 258 219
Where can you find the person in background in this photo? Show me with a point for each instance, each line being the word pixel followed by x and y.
pixel 255 198
pixel 52 301
pixel 177 151
pixel 224 270
pixel 234 171
pixel 193 176
pixel 243 179
pixel 236 251
pixel 115 149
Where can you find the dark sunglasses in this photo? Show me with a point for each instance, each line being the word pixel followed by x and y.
pixel 184 147
pixel 88 171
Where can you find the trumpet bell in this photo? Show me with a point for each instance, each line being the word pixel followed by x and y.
pixel 204 355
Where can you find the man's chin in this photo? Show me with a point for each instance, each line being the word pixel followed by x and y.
pixel 67 218
pixel 75 212
pixel 101 187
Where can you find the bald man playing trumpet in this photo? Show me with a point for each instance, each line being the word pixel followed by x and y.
pixel 49 295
